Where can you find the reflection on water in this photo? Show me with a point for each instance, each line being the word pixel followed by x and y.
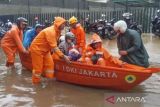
pixel 16 89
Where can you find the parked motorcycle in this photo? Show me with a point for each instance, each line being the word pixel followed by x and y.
pixel 109 31
pixel 132 25
pixel 2 30
pixel 106 29
pixel 101 26
pixel 8 25
pixel 156 24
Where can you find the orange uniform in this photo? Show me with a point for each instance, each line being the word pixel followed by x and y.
pixel 80 37
pixel 11 42
pixel 106 59
pixel 41 48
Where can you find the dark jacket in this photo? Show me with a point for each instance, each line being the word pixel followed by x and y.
pixel 131 42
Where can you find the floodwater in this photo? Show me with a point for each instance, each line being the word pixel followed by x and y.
pixel 16 89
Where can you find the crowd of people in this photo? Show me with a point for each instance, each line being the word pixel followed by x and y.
pixel 44 47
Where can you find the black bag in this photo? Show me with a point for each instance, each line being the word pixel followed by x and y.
pixel 95 58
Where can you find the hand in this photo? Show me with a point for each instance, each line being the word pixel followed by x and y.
pixel 80 50
pixel 89 54
pixel 123 53
pixel 66 59
pixel 123 64
pixel 26 52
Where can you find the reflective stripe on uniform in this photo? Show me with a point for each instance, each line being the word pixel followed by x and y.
pixel 49 71
pixel 36 74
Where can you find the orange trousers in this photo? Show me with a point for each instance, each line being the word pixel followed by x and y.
pixel 42 65
pixel 10 53
pixel 88 61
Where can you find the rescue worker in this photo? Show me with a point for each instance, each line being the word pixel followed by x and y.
pixel 12 41
pixel 79 33
pixel 96 54
pixel 31 34
pixel 41 47
pixel 130 45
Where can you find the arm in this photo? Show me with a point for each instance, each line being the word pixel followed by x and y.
pixel 136 40
pixel 51 39
pixel 61 47
pixel 111 60
pixel 119 44
pixel 17 40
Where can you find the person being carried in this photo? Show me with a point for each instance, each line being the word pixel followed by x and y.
pixel 68 47
pixel 96 54
pixel 31 34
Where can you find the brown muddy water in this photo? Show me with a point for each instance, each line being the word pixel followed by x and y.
pixel 16 89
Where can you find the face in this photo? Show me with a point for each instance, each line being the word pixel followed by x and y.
pixel 23 25
pixel 62 26
pixel 96 45
pixel 38 30
pixel 118 32
pixel 69 40
pixel 73 25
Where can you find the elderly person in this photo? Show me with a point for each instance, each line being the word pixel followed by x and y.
pixel 130 45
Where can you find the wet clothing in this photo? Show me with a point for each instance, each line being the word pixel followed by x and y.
pixel 65 47
pixel 41 48
pixel 80 37
pixel 28 37
pixel 99 53
pixel 12 43
pixel 69 50
pixel 131 42
pixel 74 54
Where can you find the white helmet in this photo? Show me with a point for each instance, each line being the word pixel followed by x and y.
pixel 120 26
